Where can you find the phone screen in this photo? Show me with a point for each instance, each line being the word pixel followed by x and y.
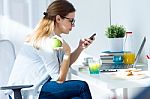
pixel 92 37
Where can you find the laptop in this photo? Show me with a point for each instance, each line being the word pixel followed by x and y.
pixel 115 67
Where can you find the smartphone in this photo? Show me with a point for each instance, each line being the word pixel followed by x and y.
pixel 92 37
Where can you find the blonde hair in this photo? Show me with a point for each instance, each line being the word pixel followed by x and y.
pixel 42 31
pixel 47 24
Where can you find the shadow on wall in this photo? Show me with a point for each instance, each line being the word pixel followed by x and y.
pixel 13 31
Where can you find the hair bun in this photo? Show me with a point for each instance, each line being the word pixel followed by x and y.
pixel 45 13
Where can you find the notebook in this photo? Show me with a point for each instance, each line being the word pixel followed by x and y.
pixel 115 67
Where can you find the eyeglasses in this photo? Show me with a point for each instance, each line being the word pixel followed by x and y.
pixel 72 20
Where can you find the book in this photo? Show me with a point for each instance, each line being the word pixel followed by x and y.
pixel 107 61
pixel 113 53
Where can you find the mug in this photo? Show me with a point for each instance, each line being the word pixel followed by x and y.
pixel 87 60
pixel 118 59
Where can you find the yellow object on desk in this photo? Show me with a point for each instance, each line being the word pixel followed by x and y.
pixel 129 58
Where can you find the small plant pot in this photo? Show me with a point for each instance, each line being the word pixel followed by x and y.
pixel 116 44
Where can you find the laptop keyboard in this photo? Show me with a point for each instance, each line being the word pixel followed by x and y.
pixel 114 66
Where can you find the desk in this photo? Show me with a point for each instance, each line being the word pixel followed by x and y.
pixel 108 81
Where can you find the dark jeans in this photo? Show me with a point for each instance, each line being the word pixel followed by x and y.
pixel 72 89
pixel 144 94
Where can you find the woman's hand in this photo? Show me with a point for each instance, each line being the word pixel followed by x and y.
pixel 64 46
pixel 84 43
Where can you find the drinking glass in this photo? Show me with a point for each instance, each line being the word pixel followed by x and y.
pixel 118 59
pixel 94 67
pixel 129 58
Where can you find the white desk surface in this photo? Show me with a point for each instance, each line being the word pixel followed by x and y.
pixel 108 81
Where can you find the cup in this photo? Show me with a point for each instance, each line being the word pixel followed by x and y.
pixel 87 60
pixel 118 59
pixel 129 58
pixel 94 67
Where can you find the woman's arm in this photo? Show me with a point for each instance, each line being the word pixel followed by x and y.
pixel 74 55
pixel 84 43
pixel 64 66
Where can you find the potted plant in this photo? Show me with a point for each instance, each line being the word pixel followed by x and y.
pixel 116 33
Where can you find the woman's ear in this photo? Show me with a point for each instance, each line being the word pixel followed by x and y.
pixel 58 18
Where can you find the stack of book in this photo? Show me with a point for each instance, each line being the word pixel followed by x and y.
pixel 107 58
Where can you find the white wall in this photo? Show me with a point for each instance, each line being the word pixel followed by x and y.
pixel 18 18
pixel 1 6
pixel 13 31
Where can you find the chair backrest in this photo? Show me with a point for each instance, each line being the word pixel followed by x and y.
pixel 7 58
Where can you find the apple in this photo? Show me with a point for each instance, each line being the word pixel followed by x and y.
pixel 56 42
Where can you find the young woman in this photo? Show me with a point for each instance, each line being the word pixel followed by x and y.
pixel 45 67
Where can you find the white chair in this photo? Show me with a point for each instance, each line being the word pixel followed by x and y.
pixel 7 58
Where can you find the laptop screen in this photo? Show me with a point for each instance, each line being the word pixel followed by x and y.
pixel 139 52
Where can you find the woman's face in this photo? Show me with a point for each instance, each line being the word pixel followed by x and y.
pixel 64 24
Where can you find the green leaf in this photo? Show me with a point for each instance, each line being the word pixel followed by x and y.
pixel 115 31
